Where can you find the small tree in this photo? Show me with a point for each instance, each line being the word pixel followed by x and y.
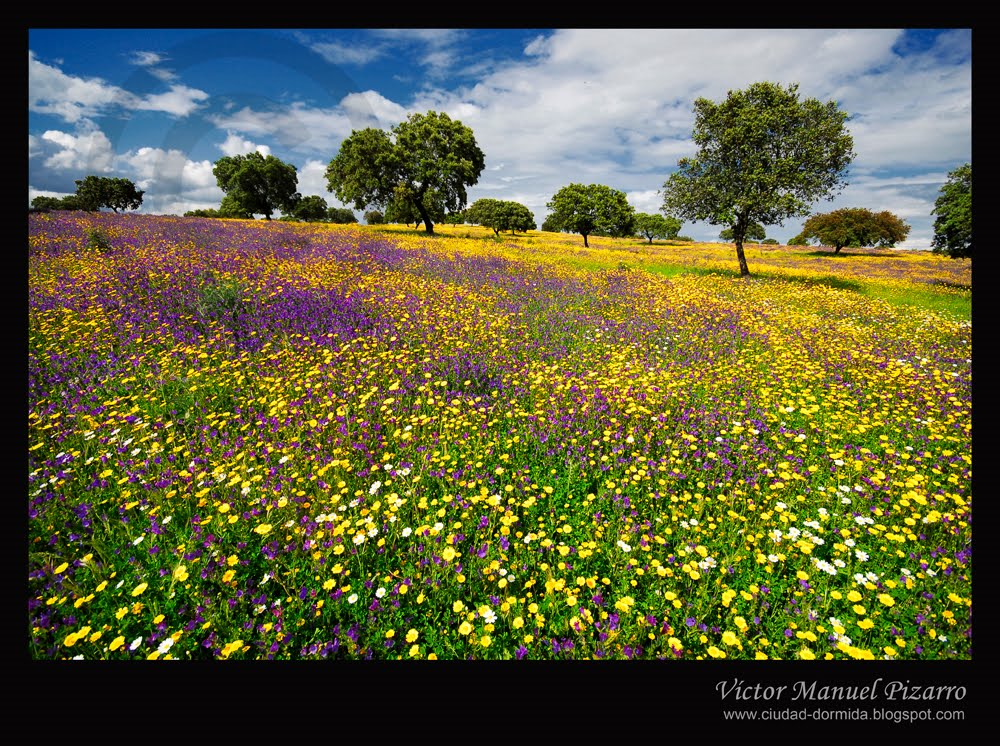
pixel 593 208
pixel 259 184
pixel 656 226
pixel 374 217
pixel 754 232
pixel 42 202
pixel 340 215
pixel 855 226
pixel 202 213
pixel 310 209
pixel 95 192
pixel 763 156
pixel 770 241
pixel 501 215
pixel 428 153
pixel 953 207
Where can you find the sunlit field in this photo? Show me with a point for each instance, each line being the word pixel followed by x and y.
pixel 254 439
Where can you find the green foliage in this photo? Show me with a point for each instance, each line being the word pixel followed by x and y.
pixel 95 192
pixel 549 224
pixel 257 184
pixel 206 213
pixel 656 226
pixel 97 239
pixel 46 203
pixel 798 240
pixel 501 215
pixel 855 226
pixel 763 156
pixel 428 154
pixel 401 209
pixel 374 217
pixel 231 207
pixel 684 238
pixel 953 207
pixel 340 215
pixel 770 241
pixel 455 218
pixel 754 232
pixel 593 208
pixel 310 209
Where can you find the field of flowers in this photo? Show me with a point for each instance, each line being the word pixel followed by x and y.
pixel 272 440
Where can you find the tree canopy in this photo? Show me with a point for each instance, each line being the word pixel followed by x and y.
pixel 259 184
pixel 763 156
pixel 592 208
pixel 374 217
pixel 500 215
pixel 656 226
pixel 95 192
pixel 855 226
pixel 341 215
pixel 310 209
pixel 427 153
pixel 953 207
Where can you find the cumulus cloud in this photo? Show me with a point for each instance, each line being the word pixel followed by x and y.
pixel 236 145
pixel 87 151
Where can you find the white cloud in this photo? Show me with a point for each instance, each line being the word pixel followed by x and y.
pixel 348 54
pixel 373 108
pixel 50 91
pixel 173 183
pixel 74 99
pixel 146 59
pixel 87 151
pixel 236 145
pixel 180 101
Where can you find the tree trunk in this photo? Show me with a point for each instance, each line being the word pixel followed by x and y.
pixel 425 216
pixel 650 239
pixel 744 269
pixel 836 249
pixel 585 240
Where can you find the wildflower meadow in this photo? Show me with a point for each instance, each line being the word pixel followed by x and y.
pixel 273 440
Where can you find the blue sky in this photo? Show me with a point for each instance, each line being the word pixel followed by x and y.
pixel 548 106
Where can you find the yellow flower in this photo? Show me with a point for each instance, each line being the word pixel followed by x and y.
pixel 571 600
pixel 457 606
pixel 181 573
pixel 117 642
pixel 158 618
pixel 414 651
pixel 229 575
pixel 518 622
pixel 263 529
pixel 866 624
pixel 858 609
pixel 485 641
pixel 432 656
pixel 889 651
pixel 715 652
pixel 140 589
pixel 464 628
pixel 807 654
pixel 412 635
pixel 886 599
pixel 448 554
pixel 403 589
pixel 70 640
pixel 853 596
pixel 62 568
pixel 728 638
pixel 761 656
